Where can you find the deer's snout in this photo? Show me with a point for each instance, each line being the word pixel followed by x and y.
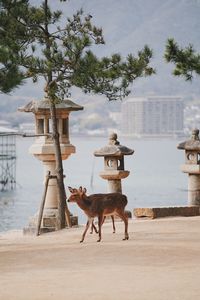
pixel 70 199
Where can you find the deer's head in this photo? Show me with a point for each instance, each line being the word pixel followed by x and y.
pixel 76 194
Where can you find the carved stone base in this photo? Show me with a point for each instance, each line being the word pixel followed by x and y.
pixel 48 222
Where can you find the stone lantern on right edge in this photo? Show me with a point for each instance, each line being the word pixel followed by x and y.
pixel 192 166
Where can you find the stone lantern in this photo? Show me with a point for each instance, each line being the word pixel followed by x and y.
pixel 192 166
pixel 114 171
pixel 43 149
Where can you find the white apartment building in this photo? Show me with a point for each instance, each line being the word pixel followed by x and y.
pixel 152 116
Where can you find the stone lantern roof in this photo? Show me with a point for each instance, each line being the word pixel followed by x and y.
pixel 113 148
pixel 193 144
pixel 42 105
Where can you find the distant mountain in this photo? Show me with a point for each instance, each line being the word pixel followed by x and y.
pixel 128 25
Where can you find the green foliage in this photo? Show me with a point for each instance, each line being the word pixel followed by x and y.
pixel 62 56
pixel 10 77
pixel 13 37
pixel 112 76
pixel 186 60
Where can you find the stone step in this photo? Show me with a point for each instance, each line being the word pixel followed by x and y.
pixel 160 212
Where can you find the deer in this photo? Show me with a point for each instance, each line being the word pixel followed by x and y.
pixel 100 206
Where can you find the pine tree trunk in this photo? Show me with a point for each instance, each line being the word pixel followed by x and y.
pixel 62 206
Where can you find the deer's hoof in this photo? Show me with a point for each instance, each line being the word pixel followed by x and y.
pixel 98 241
pixel 81 241
pixel 126 238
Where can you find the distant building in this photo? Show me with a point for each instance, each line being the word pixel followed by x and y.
pixel 191 118
pixel 153 116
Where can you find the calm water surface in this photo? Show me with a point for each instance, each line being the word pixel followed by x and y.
pixel 155 178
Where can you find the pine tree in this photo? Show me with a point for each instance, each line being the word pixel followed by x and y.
pixel 186 60
pixel 11 42
pixel 62 56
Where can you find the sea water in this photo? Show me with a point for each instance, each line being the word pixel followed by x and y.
pixel 155 178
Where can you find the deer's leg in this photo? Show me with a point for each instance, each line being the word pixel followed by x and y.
pixel 103 219
pixel 113 223
pixel 93 227
pixel 100 222
pixel 122 215
pixel 89 221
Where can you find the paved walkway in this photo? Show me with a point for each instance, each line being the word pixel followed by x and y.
pixel 161 261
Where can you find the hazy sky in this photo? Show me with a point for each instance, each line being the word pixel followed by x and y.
pixel 130 24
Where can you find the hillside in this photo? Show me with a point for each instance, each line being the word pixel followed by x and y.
pixel 128 25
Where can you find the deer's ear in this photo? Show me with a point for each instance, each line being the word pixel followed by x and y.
pixel 80 189
pixel 70 189
pixel 84 190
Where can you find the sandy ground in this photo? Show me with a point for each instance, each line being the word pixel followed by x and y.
pixel 160 261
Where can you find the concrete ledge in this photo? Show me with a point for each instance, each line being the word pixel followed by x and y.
pixel 160 212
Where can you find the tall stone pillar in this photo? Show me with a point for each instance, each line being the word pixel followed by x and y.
pixel 43 149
